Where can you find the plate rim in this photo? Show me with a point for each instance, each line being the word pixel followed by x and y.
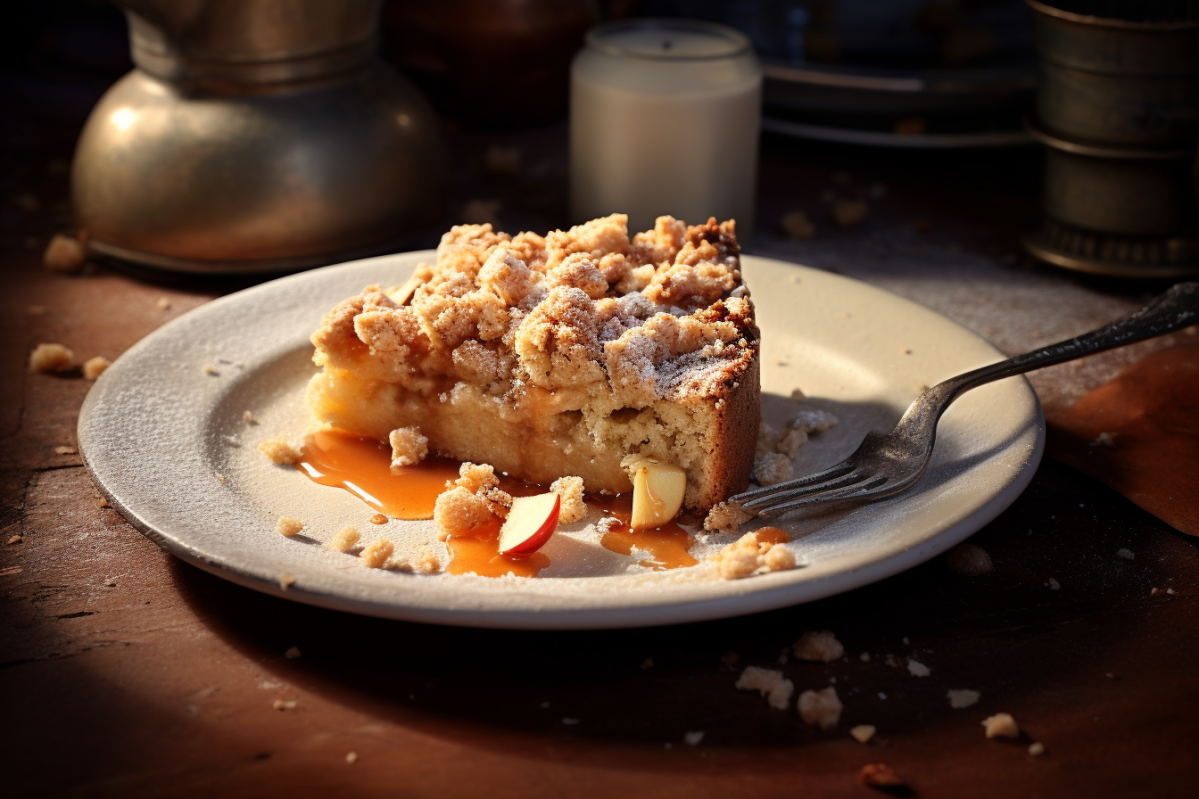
pixel 643 614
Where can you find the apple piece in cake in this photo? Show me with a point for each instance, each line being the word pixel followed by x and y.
pixel 559 355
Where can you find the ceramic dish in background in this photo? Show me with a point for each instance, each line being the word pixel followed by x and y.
pixel 157 429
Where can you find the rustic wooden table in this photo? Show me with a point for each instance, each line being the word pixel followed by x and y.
pixel 127 672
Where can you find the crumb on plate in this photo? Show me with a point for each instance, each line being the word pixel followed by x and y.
pixel 280 449
pixel 748 555
pixel 344 539
pixel 570 490
pixel 375 554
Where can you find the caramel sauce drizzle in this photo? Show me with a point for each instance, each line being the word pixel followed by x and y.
pixel 362 466
pixel 667 545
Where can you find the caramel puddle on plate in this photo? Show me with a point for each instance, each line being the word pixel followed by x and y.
pixel 667 545
pixel 772 535
pixel 478 551
pixel 362 466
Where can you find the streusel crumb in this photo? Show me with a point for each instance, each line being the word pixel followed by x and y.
pixel 813 421
pixel 94 367
pixel 426 561
pixel 969 560
pixel 476 477
pixel 1001 725
pixel 769 683
pixel 747 555
pixel 344 539
pixel 820 707
pixel 727 517
pixel 47 358
pixel 790 441
pixel 287 526
pixel 280 449
pixel 64 254
pixel 570 490
pixel 408 447
pixel 375 554
pixel 862 733
pixel 459 510
pixel 818 645
pixel 773 468
pixel 962 697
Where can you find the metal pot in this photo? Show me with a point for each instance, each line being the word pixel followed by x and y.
pixel 1117 82
pixel 255 136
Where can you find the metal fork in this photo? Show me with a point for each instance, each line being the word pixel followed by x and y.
pixel 886 464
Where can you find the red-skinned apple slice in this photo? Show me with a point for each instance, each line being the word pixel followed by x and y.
pixel 530 523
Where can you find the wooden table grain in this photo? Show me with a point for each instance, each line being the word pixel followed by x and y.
pixel 124 672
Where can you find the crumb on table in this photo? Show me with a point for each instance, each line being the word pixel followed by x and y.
pixel 280 449
pixel 879 775
pixel 1001 725
pixel 1036 749
pixel 286 580
pixel 818 645
pixel 797 225
pixel 288 526
pixel 969 560
pixel 862 733
pixel 767 682
pixel 408 447
pixel 94 367
pixel 849 213
pixel 48 358
pixel 344 539
pixel 821 707
pixel 375 554
pixel 64 450
pixel 570 490
pixel 64 254
pixel 284 704
pixel 918 669
pixel 163 304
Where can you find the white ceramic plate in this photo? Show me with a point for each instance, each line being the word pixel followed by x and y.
pixel 156 430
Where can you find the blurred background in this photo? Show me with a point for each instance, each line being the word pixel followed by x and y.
pixel 897 124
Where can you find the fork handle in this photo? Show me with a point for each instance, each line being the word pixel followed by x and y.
pixel 1176 309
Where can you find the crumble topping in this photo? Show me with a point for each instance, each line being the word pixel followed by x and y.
pixel 344 539
pixel 570 490
pixel 288 526
pixel 820 707
pixel 1001 725
pixel 769 683
pixel 1036 749
pixel 880 775
pixel 818 645
pixel 280 449
pixel 661 314
pixel 408 447
pixel 94 367
pixel 47 358
pixel 376 554
pixel 747 555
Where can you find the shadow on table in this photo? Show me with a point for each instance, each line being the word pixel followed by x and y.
pixel 1006 634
